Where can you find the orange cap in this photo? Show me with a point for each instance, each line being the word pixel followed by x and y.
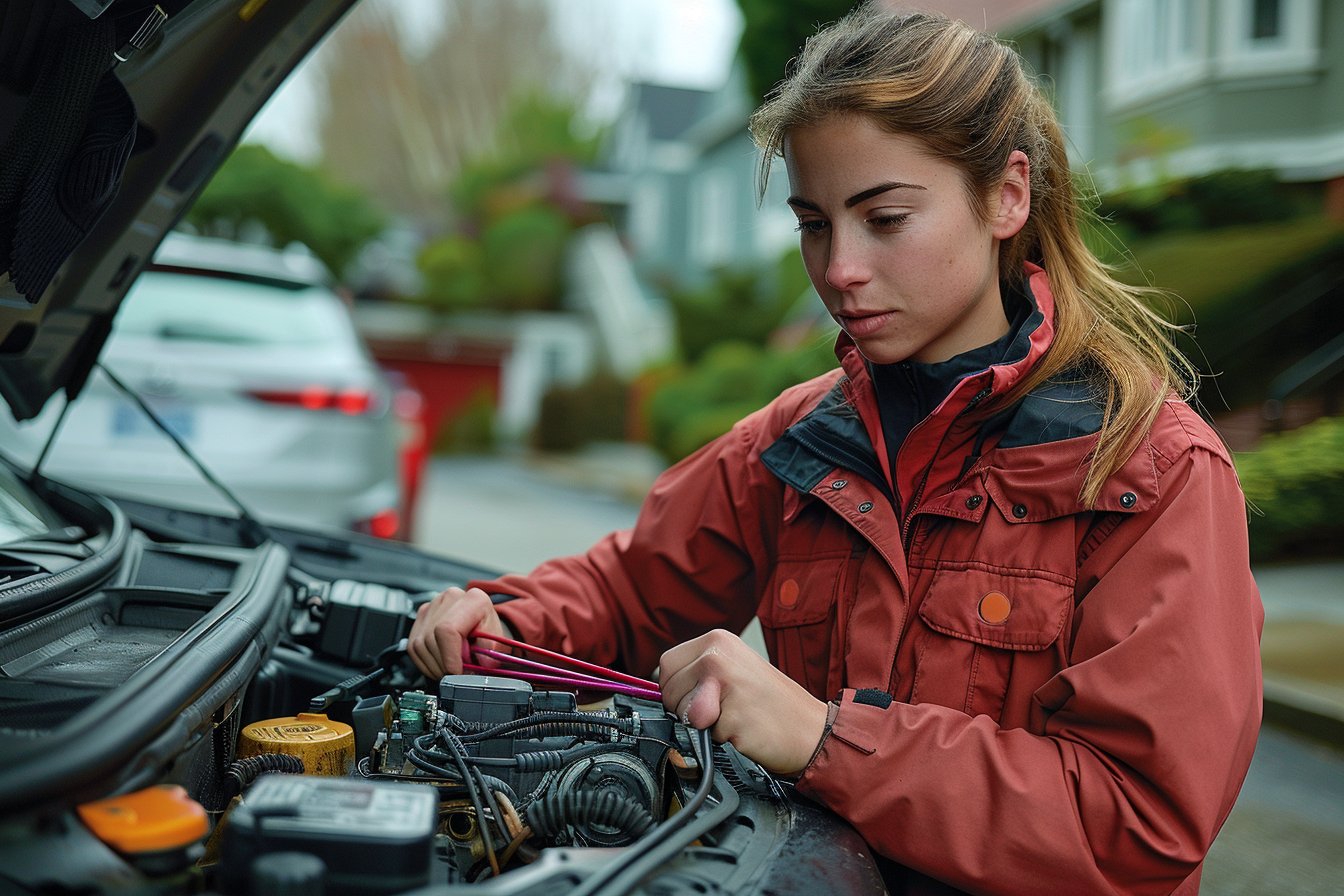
pixel 155 819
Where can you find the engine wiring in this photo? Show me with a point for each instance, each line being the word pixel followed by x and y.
pixel 519 771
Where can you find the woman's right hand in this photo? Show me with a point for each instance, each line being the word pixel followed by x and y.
pixel 439 637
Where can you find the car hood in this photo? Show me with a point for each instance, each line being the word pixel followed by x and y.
pixel 100 158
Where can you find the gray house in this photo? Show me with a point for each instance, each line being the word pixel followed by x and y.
pixel 1154 89
pixel 690 172
pixel 1146 90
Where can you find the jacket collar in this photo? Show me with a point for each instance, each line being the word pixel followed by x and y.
pixel 1042 444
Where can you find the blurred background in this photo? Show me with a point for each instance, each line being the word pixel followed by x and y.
pixel 545 212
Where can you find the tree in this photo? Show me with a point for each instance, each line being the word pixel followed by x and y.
pixel 403 124
pixel 290 202
pixel 774 32
pixel 515 209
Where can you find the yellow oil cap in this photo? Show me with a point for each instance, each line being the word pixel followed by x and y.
pixel 153 820
pixel 326 747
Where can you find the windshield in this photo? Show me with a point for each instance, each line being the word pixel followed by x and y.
pixel 173 306
pixel 22 513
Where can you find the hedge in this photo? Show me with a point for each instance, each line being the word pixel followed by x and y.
pixel 1294 483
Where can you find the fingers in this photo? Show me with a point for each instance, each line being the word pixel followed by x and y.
pixel 439 636
pixel 702 707
pixel 693 676
pixel 717 682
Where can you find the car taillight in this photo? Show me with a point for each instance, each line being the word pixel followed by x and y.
pixel 320 398
pixel 383 524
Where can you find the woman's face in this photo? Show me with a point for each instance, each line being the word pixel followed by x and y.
pixel 892 244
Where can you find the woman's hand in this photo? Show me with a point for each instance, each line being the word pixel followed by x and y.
pixel 438 642
pixel 716 681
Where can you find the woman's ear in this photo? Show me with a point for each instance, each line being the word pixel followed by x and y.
pixel 1014 197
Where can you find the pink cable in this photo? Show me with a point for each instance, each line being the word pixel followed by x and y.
pixel 539 667
pixel 561 658
pixel 583 684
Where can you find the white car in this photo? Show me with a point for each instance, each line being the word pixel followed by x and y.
pixel 249 357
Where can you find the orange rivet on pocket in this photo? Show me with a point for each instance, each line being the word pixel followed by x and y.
pixel 995 607
pixel 788 592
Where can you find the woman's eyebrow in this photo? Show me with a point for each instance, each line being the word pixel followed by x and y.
pixel 878 190
pixel 858 197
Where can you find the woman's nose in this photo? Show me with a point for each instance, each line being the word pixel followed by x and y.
pixel 845 268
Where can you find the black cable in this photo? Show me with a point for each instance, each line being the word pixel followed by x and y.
pixel 571 723
pixel 459 756
pixel 495 812
pixel 413 757
pixel 661 844
pixel 242 772
pixel 344 690
pixel 527 761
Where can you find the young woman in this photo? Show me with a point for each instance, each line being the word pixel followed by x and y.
pixel 1000 565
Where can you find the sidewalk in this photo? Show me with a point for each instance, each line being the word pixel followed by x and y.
pixel 1302 648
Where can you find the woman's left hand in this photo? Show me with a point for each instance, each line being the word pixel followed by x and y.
pixel 716 681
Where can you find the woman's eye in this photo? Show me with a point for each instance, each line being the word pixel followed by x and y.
pixel 812 225
pixel 889 222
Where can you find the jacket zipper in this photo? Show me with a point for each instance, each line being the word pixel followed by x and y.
pixel 907 527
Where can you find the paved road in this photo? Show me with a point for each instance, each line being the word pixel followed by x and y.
pixel 1285 836
pixel 505 515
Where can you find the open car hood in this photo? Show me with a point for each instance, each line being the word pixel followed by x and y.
pixel 99 158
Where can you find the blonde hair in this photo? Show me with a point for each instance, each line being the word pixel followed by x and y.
pixel 966 97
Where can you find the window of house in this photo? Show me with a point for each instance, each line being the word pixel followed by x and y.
pixel 1266 19
pixel 1154 46
pixel 712 216
pixel 1267 37
pixel 647 211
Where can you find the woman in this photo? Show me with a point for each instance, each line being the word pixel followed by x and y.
pixel 1000 565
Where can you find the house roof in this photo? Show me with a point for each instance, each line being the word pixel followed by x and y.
pixel 668 110
pixel 987 15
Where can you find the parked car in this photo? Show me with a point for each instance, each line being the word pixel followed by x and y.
pixel 249 356
pixel 201 702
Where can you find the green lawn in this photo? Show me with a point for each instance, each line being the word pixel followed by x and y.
pixel 1203 267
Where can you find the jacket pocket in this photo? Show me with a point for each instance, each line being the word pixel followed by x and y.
pixel 987 631
pixel 799 611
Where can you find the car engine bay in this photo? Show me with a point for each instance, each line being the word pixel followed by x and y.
pixel 191 705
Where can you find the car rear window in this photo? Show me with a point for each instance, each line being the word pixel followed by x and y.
pixel 194 308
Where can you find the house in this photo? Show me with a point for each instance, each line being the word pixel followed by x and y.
pixel 690 170
pixel 1149 90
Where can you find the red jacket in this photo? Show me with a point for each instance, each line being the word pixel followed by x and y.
pixel 1035 697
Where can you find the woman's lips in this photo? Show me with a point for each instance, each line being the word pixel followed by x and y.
pixel 860 324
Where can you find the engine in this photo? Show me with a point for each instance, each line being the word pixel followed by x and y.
pixel 501 773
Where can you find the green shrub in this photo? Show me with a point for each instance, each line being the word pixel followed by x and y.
pixel 573 416
pixel 523 250
pixel 1295 484
pixel 453 274
pixel 744 304
pixel 1220 199
pixel 701 402
pixel 1225 198
pixel 293 202
pixel 472 430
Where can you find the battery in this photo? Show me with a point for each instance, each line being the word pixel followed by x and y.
pixel 374 837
